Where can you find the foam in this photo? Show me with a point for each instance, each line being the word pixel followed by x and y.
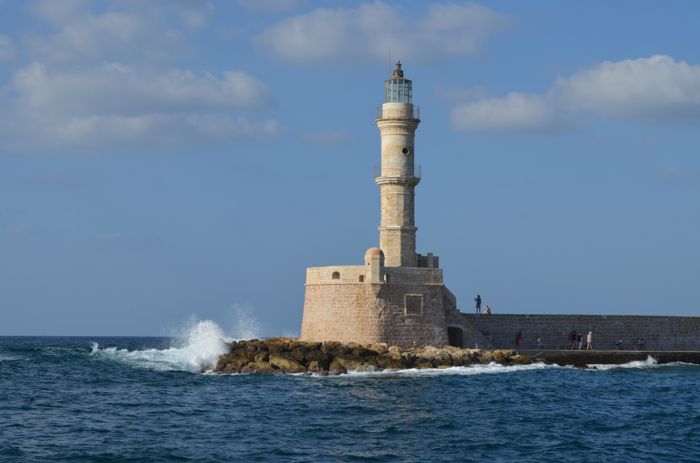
pixel 491 368
pixel 197 349
pixel 649 363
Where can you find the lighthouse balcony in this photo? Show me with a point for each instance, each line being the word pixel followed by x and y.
pixel 401 112
pixel 397 173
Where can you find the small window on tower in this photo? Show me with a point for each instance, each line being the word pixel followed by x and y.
pixel 362 278
pixel 404 151
pixel 336 275
pixel 413 304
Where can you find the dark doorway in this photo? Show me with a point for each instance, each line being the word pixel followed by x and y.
pixel 455 336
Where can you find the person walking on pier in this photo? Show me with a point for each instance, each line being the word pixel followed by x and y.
pixel 519 339
pixel 579 339
pixel 640 344
pixel 477 299
pixel 589 341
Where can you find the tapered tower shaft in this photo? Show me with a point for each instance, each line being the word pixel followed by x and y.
pixel 397 120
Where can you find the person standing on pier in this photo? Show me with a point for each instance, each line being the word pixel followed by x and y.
pixel 477 299
pixel 589 341
pixel 579 339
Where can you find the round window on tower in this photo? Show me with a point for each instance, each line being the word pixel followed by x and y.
pixel 404 151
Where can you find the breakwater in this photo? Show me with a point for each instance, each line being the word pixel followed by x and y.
pixel 658 333
pixel 584 359
pixel 286 355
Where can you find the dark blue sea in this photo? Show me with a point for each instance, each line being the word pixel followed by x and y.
pixel 92 399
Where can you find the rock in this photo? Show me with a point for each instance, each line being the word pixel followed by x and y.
pixel 298 353
pixel 264 367
pixel 350 362
pixel 389 361
pixel 281 355
pixel 422 362
pixel 337 368
pixel 460 358
pixel 311 346
pixel 438 356
pixel 285 362
pixel 520 360
pixel 379 347
pixel 314 366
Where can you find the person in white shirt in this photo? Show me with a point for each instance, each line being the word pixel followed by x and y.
pixel 589 341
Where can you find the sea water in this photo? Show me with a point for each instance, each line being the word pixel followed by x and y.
pixel 152 400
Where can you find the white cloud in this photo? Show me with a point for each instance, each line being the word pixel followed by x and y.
pixel 657 89
pixel 7 49
pixel 103 75
pixel 80 36
pixel 116 104
pixel 123 90
pixel 516 112
pixel 370 30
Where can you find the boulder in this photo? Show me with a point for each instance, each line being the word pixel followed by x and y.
pixel 389 361
pixel 520 360
pixel 379 347
pixel 422 362
pixel 285 362
pixel 314 366
pixel 438 357
pixel 337 368
pixel 352 362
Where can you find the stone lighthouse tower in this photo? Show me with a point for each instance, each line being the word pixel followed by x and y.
pixel 396 296
pixel 398 120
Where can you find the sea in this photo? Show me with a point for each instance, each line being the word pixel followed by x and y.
pixel 136 399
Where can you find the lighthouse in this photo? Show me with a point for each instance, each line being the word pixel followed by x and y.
pixel 398 120
pixel 396 296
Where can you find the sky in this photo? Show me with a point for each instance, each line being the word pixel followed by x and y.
pixel 168 160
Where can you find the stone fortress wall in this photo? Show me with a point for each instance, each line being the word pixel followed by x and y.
pixel 402 306
pixel 662 333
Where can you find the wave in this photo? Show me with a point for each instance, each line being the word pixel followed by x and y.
pixel 650 362
pixel 491 368
pixel 197 349
pixel 9 358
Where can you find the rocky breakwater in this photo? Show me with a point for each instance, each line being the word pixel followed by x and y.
pixel 286 355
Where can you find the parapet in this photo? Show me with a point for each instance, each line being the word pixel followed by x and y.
pixel 427 261
pixel 337 274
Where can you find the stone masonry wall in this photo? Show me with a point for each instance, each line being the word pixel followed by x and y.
pixel 367 313
pixel 659 333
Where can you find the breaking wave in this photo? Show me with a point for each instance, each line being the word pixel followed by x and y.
pixel 197 349
pixel 491 368
pixel 649 363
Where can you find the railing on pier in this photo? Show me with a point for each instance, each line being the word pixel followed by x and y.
pixel 398 114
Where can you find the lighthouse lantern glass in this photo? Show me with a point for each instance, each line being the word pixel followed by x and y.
pixel 397 91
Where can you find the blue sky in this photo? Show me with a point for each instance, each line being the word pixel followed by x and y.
pixel 160 160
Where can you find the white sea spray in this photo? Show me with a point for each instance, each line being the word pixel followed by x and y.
pixel 196 348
